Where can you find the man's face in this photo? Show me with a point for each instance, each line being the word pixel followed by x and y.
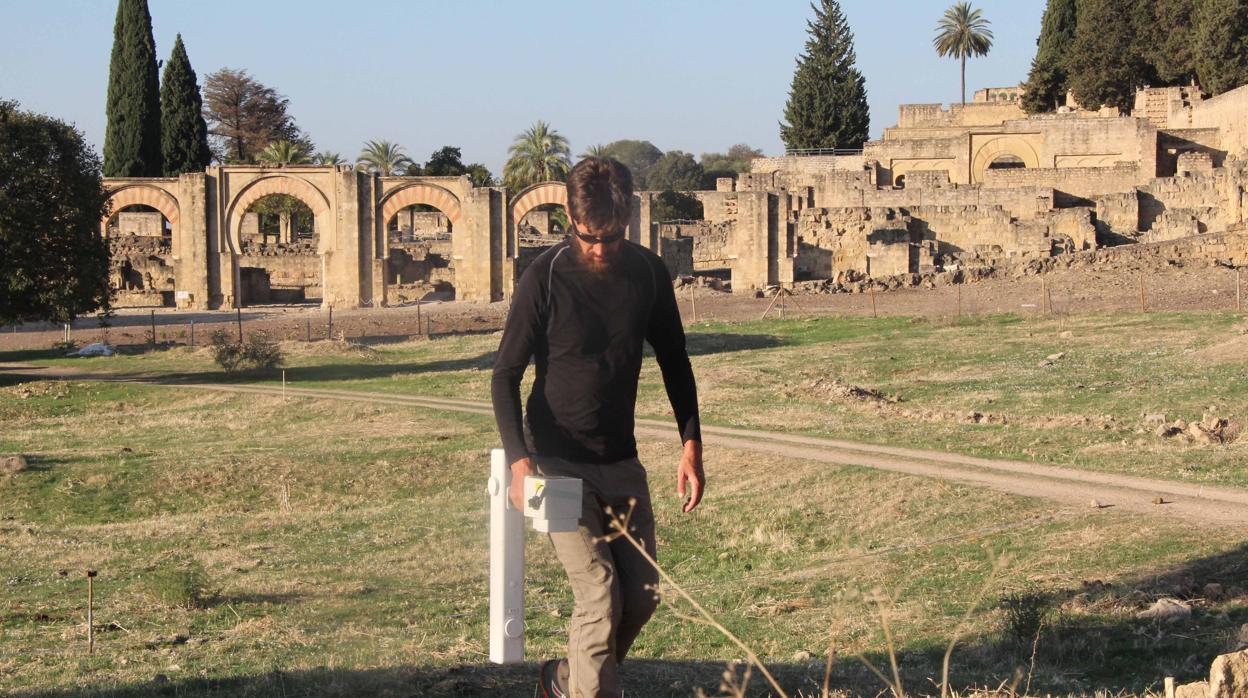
pixel 597 257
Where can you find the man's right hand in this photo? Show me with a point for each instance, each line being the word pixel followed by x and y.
pixel 519 470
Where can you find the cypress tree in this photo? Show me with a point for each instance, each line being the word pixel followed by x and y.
pixel 132 138
pixel 1222 47
pixel 1046 84
pixel 1105 62
pixel 827 105
pixel 183 133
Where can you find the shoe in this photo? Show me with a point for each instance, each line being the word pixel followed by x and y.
pixel 553 680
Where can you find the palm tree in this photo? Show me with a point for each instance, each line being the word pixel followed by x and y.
pixel 328 157
pixel 539 154
pixel 962 32
pixel 383 157
pixel 595 151
pixel 283 153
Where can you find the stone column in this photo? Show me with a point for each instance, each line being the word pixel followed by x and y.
pixel 476 249
pixel 340 239
pixel 190 243
pixel 749 254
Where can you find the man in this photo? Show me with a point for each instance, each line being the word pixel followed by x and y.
pixel 581 312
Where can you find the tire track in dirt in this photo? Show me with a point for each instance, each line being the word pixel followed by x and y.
pixel 1208 504
pixel 1070 486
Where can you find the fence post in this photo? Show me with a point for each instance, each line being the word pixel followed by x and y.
pixel 192 333
pixel 693 302
pixel 1143 308
pixel 329 327
pixel 239 316
pixel 871 292
pixel 153 317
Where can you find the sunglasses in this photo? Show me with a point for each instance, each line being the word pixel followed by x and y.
pixel 597 239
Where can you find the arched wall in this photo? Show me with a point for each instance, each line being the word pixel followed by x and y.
pixel 300 189
pixel 145 195
pixel 539 194
pixel 421 193
pixel 1004 145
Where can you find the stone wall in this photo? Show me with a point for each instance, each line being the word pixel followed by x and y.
pixel 806 163
pixel 1072 186
pixel 139 223
pixel 290 277
pixel 141 270
pixel 1226 112
pixel 678 255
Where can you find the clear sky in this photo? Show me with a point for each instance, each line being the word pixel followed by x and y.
pixel 694 75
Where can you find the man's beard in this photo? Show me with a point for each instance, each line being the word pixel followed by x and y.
pixel 596 267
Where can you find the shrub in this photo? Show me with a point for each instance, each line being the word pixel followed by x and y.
pixel 180 582
pixel 258 352
pixel 262 352
pixel 1025 615
pixel 227 353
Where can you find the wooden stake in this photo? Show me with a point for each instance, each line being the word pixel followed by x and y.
pixel 959 315
pixel 871 292
pixel 1239 295
pixel 90 611
pixel 783 292
pixel 192 333
pixel 283 385
pixel 239 317
pixel 769 305
pixel 693 303
pixel 1143 308
pixel 1044 294
pixel 309 328
pixel 419 322
pixel 153 316
pixel 329 328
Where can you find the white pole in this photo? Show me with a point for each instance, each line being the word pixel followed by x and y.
pixel 506 567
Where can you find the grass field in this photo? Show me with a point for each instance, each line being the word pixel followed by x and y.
pixel 248 545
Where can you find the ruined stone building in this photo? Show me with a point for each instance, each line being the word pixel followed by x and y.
pixel 945 187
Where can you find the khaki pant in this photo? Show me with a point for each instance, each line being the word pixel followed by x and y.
pixel 615 588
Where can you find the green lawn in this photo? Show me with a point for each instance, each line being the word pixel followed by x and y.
pixel 344 544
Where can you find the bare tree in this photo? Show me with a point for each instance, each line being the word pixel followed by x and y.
pixel 244 116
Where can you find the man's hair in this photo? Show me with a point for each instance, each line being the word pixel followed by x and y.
pixel 600 194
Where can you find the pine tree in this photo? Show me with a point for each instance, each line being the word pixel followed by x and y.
pixel 827 105
pixel 132 138
pixel 1046 84
pixel 1105 63
pixel 1222 45
pixel 183 133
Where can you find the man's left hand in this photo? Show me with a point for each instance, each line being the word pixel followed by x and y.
pixel 689 475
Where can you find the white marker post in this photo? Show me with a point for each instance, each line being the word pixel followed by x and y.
pixel 506 567
pixel 554 504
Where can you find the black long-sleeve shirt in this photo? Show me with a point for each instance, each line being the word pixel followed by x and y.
pixel 584 333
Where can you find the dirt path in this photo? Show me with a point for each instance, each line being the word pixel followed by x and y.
pixel 1070 486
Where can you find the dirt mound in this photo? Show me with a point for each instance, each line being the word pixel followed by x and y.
pixel 54 389
pixel 329 347
pixel 1209 431
pixel 834 389
pixel 1232 351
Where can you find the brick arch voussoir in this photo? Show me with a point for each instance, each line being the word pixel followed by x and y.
pixel 142 195
pixel 281 184
pixel 425 194
pixel 539 195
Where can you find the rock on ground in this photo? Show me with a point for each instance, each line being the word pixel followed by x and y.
pixel 12 465
pixel 1229 676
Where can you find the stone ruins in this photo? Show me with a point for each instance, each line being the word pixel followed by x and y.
pixel 946 188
